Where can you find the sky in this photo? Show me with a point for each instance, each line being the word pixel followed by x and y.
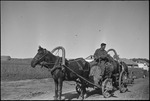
pixel 79 26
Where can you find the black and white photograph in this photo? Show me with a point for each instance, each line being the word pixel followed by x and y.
pixel 75 50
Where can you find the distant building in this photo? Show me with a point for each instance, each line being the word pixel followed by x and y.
pixel 5 58
pixel 130 63
pixel 143 65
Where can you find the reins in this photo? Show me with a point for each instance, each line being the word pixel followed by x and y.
pixel 56 63
pixel 43 57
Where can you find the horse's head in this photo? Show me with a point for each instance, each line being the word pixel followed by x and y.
pixel 39 57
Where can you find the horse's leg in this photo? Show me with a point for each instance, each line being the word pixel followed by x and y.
pixel 84 90
pixel 81 96
pixel 56 90
pixel 60 83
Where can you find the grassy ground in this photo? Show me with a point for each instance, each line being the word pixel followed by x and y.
pixel 20 69
pixel 43 89
pixel 138 72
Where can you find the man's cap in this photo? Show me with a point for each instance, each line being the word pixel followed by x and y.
pixel 103 44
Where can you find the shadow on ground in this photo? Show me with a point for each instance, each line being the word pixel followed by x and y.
pixel 92 93
pixel 70 95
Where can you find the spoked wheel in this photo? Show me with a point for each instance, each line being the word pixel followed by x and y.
pixel 123 82
pixel 107 88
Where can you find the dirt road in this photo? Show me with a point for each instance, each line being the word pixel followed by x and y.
pixel 43 89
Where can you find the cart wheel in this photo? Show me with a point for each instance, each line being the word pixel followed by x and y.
pixel 78 89
pixel 107 88
pixel 122 82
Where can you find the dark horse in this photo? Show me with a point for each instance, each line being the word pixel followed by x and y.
pixel 60 72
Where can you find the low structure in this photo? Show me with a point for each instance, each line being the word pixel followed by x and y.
pixel 5 58
pixel 130 63
pixel 143 65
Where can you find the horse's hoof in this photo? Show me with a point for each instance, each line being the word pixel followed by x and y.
pixel 55 98
pixel 85 95
pixel 80 98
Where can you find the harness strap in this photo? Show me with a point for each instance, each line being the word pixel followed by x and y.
pixel 56 66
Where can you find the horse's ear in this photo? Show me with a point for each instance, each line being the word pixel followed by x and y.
pixel 45 51
pixel 40 47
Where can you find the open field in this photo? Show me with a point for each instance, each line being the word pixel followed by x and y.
pixel 138 72
pixel 20 69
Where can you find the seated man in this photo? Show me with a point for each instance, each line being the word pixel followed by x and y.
pixel 100 56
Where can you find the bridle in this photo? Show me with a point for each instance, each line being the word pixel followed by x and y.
pixel 48 63
pixel 38 60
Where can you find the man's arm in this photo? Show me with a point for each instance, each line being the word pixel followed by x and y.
pixel 103 55
pixel 96 55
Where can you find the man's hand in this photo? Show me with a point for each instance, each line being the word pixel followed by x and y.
pixel 96 59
